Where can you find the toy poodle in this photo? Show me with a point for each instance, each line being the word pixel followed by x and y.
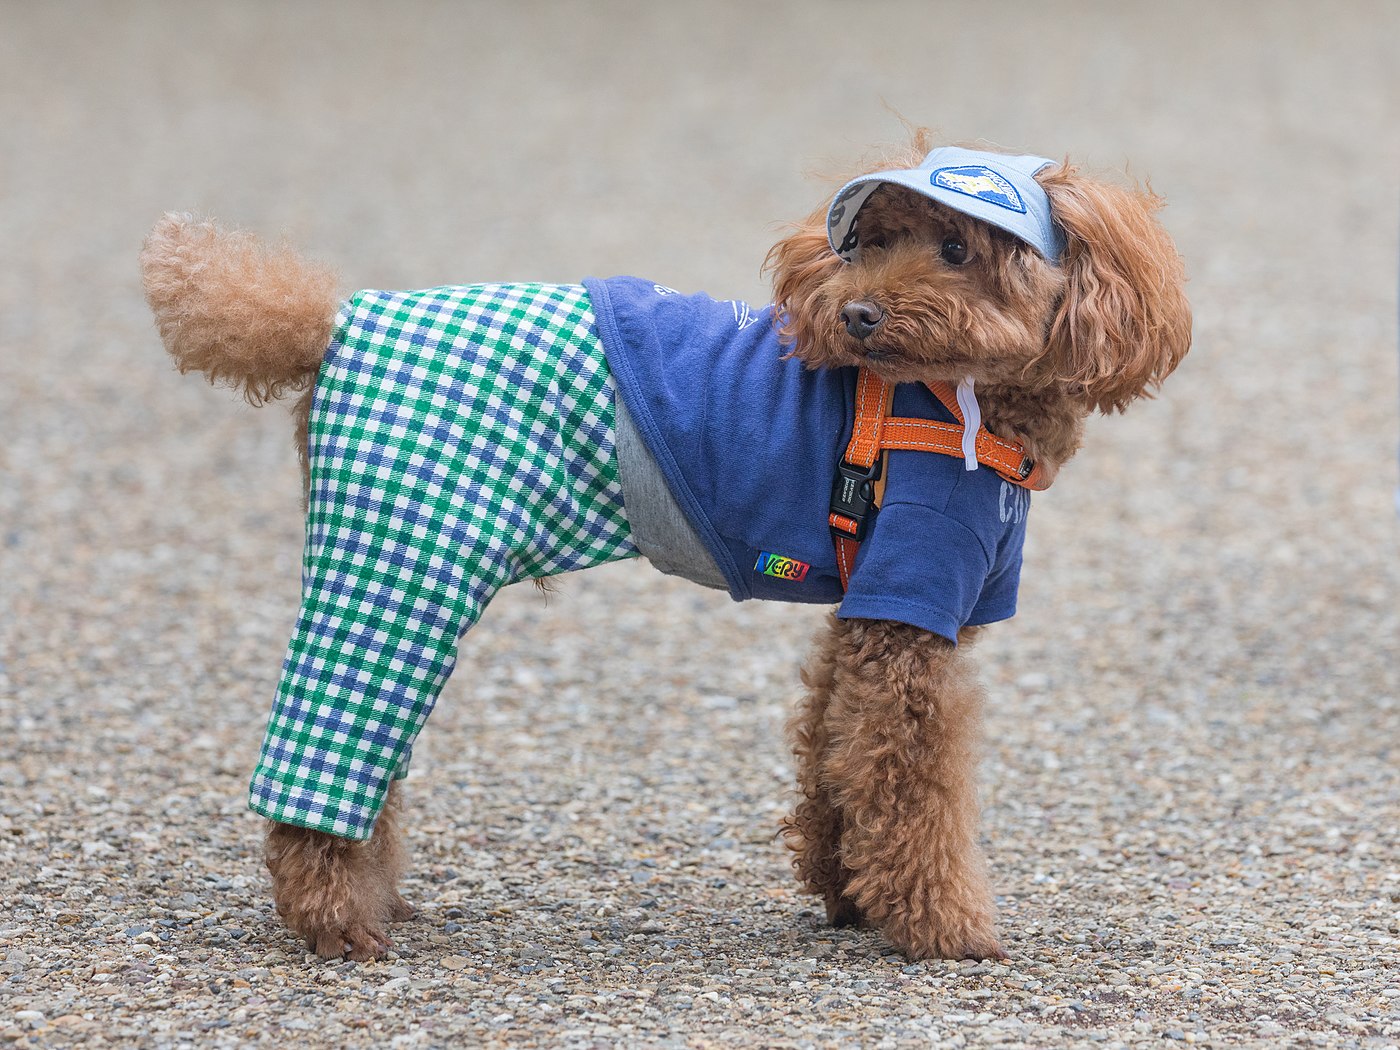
pixel 940 330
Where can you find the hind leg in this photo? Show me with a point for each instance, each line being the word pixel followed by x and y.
pixel 391 855
pixel 338 894
pixel 423 505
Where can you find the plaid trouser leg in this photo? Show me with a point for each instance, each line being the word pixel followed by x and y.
pixel 461 439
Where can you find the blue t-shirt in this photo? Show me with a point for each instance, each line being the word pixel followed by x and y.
pixel 749 440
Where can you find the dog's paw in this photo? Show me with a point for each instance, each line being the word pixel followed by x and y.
pixel 334 893
pixel 334 930
pixel 954 941
pixel 843 912
pixel 354 942
pixel 981 947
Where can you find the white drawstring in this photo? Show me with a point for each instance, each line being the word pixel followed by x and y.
pixel 972 422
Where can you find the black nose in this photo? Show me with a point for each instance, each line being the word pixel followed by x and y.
pixel 862 318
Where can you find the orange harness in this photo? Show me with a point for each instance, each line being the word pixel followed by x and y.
pixel 860 477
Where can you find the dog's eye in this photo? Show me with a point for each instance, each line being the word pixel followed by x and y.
pixel 953 251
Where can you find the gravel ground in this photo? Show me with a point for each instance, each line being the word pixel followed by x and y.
pixel 1191 785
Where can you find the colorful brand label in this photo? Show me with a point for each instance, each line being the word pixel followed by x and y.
pixel 782 568
pixel 974 180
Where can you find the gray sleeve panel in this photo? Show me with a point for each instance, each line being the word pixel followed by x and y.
pixel 660 528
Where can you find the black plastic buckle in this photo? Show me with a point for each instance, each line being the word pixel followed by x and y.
pixel 853 496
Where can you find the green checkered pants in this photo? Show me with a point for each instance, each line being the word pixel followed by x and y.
pixel 461 439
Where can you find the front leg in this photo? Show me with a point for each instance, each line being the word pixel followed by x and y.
pixel 903 724
pixel 813 830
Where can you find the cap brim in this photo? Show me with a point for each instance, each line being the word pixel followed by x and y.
pixel 996 193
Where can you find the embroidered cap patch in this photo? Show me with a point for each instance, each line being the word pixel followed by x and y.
pixel 782 568
pixel 974 180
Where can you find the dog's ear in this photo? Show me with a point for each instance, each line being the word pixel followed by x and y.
pixel 1124 322
pixel 799 263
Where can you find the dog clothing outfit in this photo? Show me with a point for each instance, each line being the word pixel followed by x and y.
pixel 464 438
pixel 748 440
pixel 460 439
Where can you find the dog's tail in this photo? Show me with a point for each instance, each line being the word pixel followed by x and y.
pixel 248 316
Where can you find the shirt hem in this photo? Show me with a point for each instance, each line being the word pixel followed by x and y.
pixel 285 807
pixel 928 618
pixel 651 433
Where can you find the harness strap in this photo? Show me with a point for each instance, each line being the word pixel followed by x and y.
pixel 872 400
pixel 860 477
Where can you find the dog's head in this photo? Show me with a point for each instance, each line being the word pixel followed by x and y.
pixel 921 290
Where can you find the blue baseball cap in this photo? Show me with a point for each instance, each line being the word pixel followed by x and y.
pixel 994 187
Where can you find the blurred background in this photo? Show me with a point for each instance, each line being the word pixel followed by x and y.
pixel 1199 697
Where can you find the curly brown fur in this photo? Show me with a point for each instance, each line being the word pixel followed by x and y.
pixel 340 895
pixel 886 734
pixel 248 316
pixel 885 737
pixel 813 830
pixel 1045 344
pixel 886 741
pixel 245 315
